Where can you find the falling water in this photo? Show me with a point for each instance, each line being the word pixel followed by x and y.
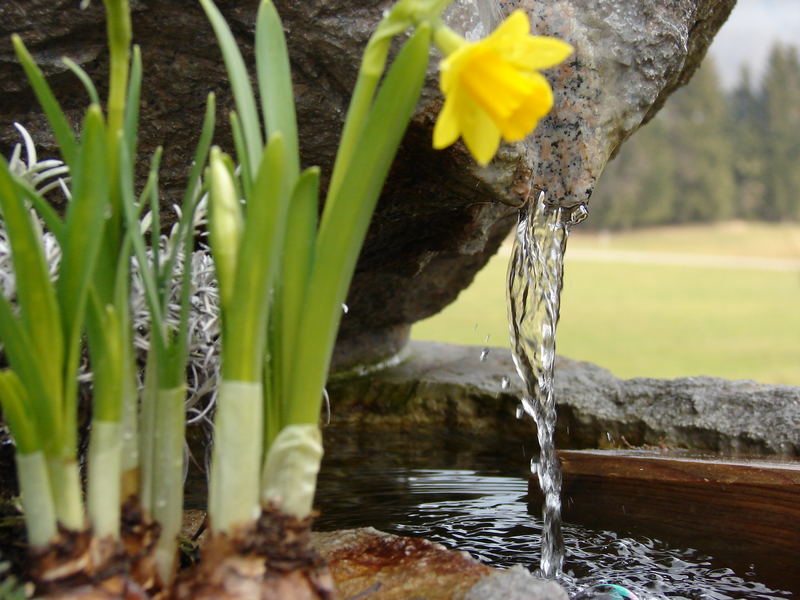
pixel 535 276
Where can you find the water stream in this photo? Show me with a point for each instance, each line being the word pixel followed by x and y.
pixel 535 278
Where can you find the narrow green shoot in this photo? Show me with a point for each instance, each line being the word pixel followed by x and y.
pixel 67 144
pixel 84 78
pixel 240 83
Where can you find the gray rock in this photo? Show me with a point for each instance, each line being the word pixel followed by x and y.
pixel 441 386
pixel 440 217
pixel 515 584
pixel 629 57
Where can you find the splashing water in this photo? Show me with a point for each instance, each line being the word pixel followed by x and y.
pixel 535 277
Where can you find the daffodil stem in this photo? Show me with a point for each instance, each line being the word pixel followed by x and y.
pixel 66 485
pixel 119 40
pixel 168 473
pixel 447 40
pixel 357 113
pixel 147 436
pixel 37 498
pixel 105 449
pixel 130 469
pixel 236 464
pixel 370 72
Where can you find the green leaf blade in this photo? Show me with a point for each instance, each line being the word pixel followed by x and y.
pixel 274 75
pixel 258 259
pixel 297 262
pixel 55 115
pixel 84 224
pixel 36 295
pixel 15 403
pixel 239 80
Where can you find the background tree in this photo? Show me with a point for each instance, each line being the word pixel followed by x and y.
pixel 712 155
pixel 781 100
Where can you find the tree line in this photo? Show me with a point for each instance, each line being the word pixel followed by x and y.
pixel 711 154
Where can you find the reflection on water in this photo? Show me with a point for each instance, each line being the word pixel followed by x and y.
pixel 484 511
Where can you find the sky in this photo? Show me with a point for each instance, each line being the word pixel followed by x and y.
pixel 748 35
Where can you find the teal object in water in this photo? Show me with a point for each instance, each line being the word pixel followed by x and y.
pixel 606 591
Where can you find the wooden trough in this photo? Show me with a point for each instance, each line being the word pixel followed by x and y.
pixel 744 512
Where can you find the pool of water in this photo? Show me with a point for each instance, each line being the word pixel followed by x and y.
pixel 472 495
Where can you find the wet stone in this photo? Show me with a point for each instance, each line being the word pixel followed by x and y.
pixel 367 563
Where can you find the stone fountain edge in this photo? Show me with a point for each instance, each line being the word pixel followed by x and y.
pixel 449 387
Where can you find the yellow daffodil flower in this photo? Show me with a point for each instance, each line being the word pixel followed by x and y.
pixel 492 87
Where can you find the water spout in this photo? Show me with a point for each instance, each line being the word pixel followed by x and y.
pixel 535 278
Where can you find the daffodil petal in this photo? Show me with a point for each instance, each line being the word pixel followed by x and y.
pixel 480 133
pixel 450 69
pixel 447 130
pixel 537 52
pixel 509 32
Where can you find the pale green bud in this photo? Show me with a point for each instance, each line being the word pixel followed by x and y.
pixel 225 224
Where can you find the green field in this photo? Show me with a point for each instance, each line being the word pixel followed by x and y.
pixel 656 318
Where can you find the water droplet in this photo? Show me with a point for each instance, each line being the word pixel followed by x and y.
pixel 487 338
pixel 608 435
pixel 484 354
pixel 504 383
pixel 578 214
pixel 345 308
pixel 520 411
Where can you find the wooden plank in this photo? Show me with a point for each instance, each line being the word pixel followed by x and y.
pixel 747 511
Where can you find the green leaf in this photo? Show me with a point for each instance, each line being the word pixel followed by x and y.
pixel 151 199
pixel 21 357
pixel 246 174
pixel 84 226
pixel 275 83
pixel 130 213
pixel 297 261
pixel 13 399
pixel 67 144
pixel 257 262
pixel 107 365
pixel 84 78
pixel 132 103
pixel 191 197
pixel 240 82
pixel 36 297
pixel 345 221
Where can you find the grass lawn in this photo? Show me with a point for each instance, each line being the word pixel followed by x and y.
pixel 659 319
